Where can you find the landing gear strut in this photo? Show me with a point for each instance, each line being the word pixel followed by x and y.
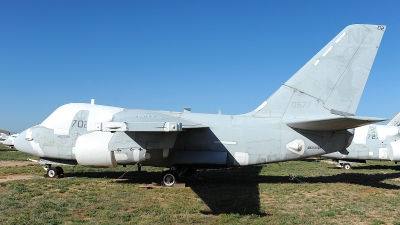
pixel 53 172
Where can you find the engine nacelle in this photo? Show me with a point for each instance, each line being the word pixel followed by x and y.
pixel 394 151
pixel 92 150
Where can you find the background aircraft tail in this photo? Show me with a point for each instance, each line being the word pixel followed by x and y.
pixel 395 121
pixel 332 81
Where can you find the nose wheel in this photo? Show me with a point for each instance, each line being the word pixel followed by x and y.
pixel 53 172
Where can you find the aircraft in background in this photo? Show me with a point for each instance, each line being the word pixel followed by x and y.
pixel 9 141
pixel 3 137
pixel 309 115
pixel 371 142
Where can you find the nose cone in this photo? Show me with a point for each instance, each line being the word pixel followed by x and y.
pixel 22 144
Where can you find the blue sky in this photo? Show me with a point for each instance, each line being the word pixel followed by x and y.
pixel 166 55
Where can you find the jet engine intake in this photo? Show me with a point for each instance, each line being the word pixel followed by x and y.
pixel 92 150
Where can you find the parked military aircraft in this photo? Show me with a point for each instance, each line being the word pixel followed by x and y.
pixel 9 141
pixel 371 142
pixel 3 137
pixel 310 114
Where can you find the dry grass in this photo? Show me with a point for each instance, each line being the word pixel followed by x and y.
pixel 323 194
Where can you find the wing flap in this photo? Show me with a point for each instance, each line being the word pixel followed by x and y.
pixel 337 123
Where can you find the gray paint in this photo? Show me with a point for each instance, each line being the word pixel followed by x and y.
pixel 309 115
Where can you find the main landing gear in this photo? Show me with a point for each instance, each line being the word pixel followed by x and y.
pixel 171 177
pixel 53 172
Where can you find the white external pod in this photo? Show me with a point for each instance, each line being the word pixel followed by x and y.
pixel 394 151
pixel 92 150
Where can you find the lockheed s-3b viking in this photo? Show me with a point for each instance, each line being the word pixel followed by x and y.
pixel 309 115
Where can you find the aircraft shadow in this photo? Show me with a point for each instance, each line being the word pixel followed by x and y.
pixel 216 189
pixel 236 190
pixel 377 167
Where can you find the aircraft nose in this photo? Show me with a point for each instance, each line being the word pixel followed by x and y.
pixel 23 144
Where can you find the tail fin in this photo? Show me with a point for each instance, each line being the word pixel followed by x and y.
pixel 395 121
pixel 332 82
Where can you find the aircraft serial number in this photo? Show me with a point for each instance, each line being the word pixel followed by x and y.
pixel 301 104
pixel 79 123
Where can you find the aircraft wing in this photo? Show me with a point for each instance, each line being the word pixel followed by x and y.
pixel 337 123
pixel 147 121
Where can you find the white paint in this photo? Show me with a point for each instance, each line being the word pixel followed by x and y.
pixel 60 119
pixel 327 51
pixel 92 101
pixel 120 157
pixel 172 126
pixel 226 142
pixel 92 150
pixel 384 131
pixel 28 135
pixel 261 106
pixel 360 135
pixel 296 146
pixel 36 147
pixel 136 155
pixel 340 38
pixel 316 62
pixel 383 153
pixel 370 153
pixel 394 151
pixel 241 158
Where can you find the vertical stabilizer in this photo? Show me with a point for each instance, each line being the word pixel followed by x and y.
pixel 331 82
pixel 395 121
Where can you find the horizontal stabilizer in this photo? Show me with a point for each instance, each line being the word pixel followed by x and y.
pixel 337 123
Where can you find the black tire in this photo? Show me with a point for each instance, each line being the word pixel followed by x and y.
pixel 169 178
pixel 60 172
pixel 52 173
pixel 347 166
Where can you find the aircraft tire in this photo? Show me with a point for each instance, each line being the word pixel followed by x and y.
pixel 347 166
pixel 60 172
pixel 51 173
pixel 169 178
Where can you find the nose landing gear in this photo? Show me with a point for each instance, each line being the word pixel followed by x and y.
pixel 53 172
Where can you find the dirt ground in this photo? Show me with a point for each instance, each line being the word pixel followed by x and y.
pixel 15 163
pixel 15 177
